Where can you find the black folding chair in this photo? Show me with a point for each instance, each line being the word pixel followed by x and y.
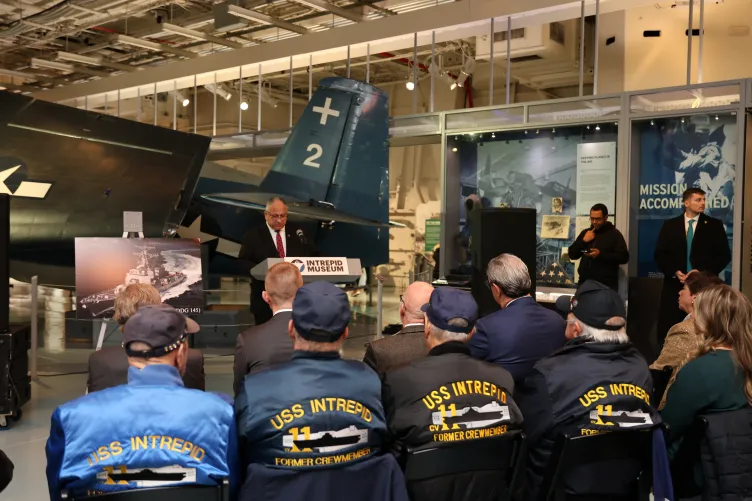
pixel 593 465
pixel 503 456
pixel 191 492
pixel 660 382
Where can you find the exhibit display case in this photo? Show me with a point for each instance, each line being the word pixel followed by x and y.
pixel 635 152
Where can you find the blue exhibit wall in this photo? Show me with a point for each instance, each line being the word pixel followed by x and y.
pixel 676 154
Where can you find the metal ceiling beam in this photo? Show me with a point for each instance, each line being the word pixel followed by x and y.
pixel 197 35
pixel 463 18
pixel 324 5
pixel 148 44
pixel 96 61
pixel 265 19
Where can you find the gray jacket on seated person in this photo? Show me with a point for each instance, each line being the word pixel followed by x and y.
pixel 262 346
pixel 390 352
pixel 108 367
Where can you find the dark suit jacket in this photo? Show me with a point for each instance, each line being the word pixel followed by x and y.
pixel 518 336
pixel 257 246
pixel 262 346
pixel 390 352
pixel 710 250
pixel 108 367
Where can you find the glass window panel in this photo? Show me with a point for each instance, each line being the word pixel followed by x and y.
pixel 686 99
pixel 536 168
pixel 485 118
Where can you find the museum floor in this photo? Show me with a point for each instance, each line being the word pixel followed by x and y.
pixel 62 369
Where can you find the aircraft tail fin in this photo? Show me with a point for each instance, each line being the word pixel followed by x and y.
pixel 338 153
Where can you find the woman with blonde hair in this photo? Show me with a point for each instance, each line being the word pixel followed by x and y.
pixel 720 377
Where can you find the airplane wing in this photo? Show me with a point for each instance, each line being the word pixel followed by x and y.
pixel 320 211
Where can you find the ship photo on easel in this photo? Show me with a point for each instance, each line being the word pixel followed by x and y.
pixel 105 266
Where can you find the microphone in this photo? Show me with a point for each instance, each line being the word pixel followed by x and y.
pixel 301 236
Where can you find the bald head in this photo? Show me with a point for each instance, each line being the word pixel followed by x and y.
pixel 415 296
pixel 281 283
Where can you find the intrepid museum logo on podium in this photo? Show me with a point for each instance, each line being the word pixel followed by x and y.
pixel 320 265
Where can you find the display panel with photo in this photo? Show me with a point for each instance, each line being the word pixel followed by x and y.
pixel 105 266
pixel 698 151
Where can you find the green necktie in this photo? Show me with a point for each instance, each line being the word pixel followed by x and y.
pixel 690 236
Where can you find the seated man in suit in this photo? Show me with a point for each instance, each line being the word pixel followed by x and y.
pixel 522 332
pixel 420 397
pixel 597 382
pixel 108 367
pixel 153 426
pixel 317 410
pixel 409 343
pixel 274 238
pixel 268 344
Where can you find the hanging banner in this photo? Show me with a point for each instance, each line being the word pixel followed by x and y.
pixel 676 154
pixel 596 176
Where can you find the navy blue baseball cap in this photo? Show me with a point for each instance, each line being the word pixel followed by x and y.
pixel 594 304
pixel 447 303
pixel 320 312
pixel 159 326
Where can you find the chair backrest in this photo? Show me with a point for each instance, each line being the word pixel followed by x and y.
pixel 660 382
pixel 721 442
pixel 191 492
pixel 603 466
pixel 503 454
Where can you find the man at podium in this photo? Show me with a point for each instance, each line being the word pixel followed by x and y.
pixel 275 238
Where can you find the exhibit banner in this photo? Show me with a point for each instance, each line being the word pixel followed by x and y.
pixel 320 265
pixel 596 176
pixel 106 266
pixel 680 153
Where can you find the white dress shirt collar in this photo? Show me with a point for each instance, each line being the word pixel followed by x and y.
pixel 687 219
pixel 282 310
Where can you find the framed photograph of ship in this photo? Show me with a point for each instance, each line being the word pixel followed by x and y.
pixel 105 266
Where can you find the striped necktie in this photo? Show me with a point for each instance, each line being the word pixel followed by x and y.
pixel 280 247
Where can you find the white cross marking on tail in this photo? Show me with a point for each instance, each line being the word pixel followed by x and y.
pixel 326 111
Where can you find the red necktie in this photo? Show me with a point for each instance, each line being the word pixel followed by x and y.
pixel 280 247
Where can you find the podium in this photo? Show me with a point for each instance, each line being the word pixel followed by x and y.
pixel 337 270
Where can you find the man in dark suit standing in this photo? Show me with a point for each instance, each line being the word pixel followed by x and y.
pixel 275 238
pixel 268 344
pixel 522 332
pixel 687 243
pixel 409 343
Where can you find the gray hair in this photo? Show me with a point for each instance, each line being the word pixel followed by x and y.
pixel 605 335
pixel 272 200
pixel 510 273
pixel 443 336
pixel 303 344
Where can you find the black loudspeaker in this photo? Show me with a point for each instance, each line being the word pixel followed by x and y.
pixel 642 315
pixel 500 231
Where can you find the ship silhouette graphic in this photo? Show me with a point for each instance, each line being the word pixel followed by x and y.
pixel 147 475
pixel 326 440
pixel 472 416
pixel 624 419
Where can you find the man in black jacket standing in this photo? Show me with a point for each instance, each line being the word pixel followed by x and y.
pixel 687 243
pixel 275 238
pixel 601 250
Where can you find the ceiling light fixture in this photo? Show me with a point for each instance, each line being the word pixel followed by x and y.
pixel 147 44
pixel 54 65
pixel 219 90
pixel 258 17
pixel 243 106
pixel 197 35
pixel 180 97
